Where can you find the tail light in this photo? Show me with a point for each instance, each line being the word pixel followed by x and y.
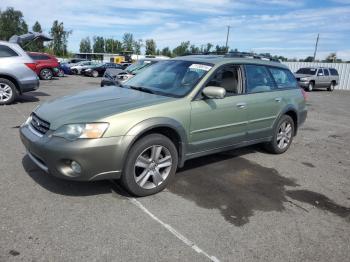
pixel 303 93
pixel 32 66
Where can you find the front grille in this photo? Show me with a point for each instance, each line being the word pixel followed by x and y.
pixel 39 124
pixel 298 78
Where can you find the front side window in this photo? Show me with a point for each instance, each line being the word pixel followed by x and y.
pixel 174 78
pixel 320 72
pixel 5 51
pixel 283 78
pixel 228 78
pixel 258 79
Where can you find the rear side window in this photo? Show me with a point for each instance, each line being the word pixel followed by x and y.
pixel 38 57
pixel 258 79
pixel 333 71
pixel 283 78
pixel 320 72
pixel 5 51
pixel 326 73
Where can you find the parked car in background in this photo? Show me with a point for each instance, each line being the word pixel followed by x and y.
pixel 317 77
pixel 46 65
pixel 171 112
pixel 65 68
pixel 77 68
pixel 113 76
pixel 100 70
pixel 17 72
pixel 75 60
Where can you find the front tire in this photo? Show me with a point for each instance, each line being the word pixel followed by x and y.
pixel 46 74
pixel 282 136
pixel 150 165
pixel 94 73
pixel 8 91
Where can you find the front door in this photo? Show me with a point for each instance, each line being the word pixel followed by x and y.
pixel 218 123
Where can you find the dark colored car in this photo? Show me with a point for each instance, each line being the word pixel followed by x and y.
pixel 100 70
pixel 46 65
pixel 65 68
pixel 111 76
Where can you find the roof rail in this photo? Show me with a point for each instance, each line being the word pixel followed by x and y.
pixel 251 55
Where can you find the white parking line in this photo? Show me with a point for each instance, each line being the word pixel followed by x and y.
pixel 173 231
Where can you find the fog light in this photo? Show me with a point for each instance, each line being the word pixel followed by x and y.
pixel 75 167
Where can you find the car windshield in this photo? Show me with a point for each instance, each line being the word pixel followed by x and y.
pixel 307 71
pixel 174 78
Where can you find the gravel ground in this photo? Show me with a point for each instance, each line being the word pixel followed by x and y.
pixel 243 205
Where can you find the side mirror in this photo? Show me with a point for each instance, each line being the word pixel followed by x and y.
pixel 214 92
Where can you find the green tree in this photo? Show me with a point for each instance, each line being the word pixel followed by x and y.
pixel 331 58
pixel 150 47
pixel 166 52
pixel 221 49
pixel 99 44
pixel 137 46
pixel 309 59
pixel 208 47
pixel 60 36
pixel 128 42
pixel 12 23
pixel 37 45
pixel 194 49
pixel 85 45
pixel 182 49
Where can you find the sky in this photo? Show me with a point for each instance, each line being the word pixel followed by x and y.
pixel 280 27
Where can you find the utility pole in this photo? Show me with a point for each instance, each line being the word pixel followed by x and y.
pixel 318 37
pixel 228 33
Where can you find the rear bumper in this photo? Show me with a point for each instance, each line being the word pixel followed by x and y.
pixel 302 117
pixel 29 85
pixel 99 158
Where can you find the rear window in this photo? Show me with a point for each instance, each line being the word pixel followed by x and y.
pixel 307 71
pixel 5 51
pixel 283 78
pixel 333 71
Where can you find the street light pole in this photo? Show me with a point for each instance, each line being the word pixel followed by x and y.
pixel 228 33
pixel 318 36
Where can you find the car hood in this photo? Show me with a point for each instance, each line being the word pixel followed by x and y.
pixel 93 105
pixel 302 75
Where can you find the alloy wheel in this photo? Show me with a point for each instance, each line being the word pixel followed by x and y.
pixel 46 74
pixel 5 92
pixel 284 135
pixel 152 166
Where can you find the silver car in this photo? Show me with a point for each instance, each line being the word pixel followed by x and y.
pixel 319 77
pixel 17 73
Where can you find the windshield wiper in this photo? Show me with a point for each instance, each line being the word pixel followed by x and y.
pixel 142 89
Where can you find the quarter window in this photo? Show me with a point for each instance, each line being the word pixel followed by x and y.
pixel 320 72
pixel 283 78
pixel 5 51
pixel 258 79
pixel 333 71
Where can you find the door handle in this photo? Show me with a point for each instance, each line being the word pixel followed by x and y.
pixel 241 105
pixel 278 99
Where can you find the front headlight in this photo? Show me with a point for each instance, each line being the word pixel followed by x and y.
pixel 303 79
pixel 75 131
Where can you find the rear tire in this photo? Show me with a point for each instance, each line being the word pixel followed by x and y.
pixel 94 73
pixel 46 74
pixel 311 86
pixel 150 165
pixel 331 87
pixel 282 136
pixel 8 92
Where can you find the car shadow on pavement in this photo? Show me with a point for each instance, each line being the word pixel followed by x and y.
pixel 66 187
pixel 238 187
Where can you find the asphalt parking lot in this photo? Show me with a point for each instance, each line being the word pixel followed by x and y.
pixel 243 205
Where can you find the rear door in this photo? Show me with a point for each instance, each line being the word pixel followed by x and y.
pixel 327 79
pixel 320 78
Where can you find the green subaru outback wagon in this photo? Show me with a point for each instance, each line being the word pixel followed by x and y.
pixel 175 110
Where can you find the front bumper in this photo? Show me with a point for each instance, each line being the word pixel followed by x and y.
pixel 303 83
pixel 99 158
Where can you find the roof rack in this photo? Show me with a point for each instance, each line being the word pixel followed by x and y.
pixel 251 55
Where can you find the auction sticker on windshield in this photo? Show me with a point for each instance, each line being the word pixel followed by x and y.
pixel 201 67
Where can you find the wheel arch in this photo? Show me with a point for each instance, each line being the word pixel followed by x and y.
pixel 291 111
pixel 13 80
pixel 168 127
